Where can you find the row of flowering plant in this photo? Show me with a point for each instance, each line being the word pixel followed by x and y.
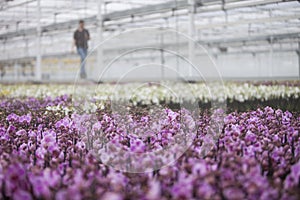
pixel 156 93
pixel 49 150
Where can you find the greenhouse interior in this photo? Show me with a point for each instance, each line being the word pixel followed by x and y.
pixel 152 99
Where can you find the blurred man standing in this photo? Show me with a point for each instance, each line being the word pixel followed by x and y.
pixel 81 37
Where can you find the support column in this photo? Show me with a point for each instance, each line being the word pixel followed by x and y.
pixel 38 71
pixel 99 39
pixel 177 45
pixel 298 52
pixel 192 35
pixel 26 48
pixel 162 57
pixel 16 73
pixel 271 58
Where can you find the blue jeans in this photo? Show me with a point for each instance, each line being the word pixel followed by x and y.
pixel 82 53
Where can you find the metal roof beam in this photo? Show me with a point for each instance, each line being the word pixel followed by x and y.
pixel 211 43
pixel 145 10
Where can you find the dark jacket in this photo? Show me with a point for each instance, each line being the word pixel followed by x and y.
pixel 81 38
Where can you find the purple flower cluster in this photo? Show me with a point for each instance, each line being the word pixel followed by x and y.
pixel 56 156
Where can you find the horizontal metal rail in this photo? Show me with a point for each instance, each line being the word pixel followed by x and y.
pixel 202 6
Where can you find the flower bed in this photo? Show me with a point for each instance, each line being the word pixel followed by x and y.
pixel 46 153
pixel 167 92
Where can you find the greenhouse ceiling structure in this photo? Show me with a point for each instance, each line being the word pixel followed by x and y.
pixel 36 35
